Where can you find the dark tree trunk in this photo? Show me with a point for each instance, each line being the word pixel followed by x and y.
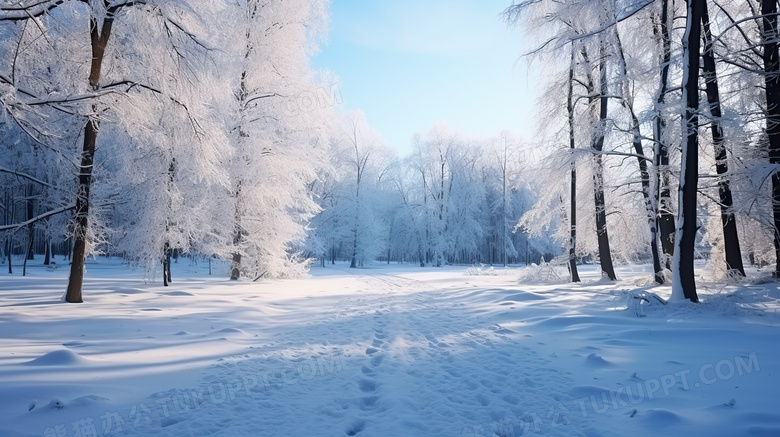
pixel 8 253
pixel 772 82
pixel 605 255
pixel 575 277
pixel 27 257
pixel 235 265
pixel 730 237
pixel 166 265
pixel 235 271
pixel 353 263
pixel 685 238
pixel 31 227
pixel 9 239
pixel 666 226
pixel 644 173
pixel 76 278
pixel 47 254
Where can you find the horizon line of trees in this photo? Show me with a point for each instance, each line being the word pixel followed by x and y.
pixel 150 128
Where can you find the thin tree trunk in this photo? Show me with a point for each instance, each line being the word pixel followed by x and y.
pixel 772 82
pixel 27 257
pixel 605 255
pixel 683 282
pixel 644 173
pixel 166 264
pixel 80 231
pixel 665 221
pixel 167 246
pixel 11 210
pixel 31 227
pixel 730 237
pixel 47 254
pixel 235 271
pixel 235 265
pixel 575 277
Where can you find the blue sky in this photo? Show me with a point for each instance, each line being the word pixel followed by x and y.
pixel 409 64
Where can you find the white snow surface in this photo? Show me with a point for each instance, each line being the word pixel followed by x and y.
pixel 392 350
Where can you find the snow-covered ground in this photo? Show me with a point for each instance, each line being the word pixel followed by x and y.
pixel 384 351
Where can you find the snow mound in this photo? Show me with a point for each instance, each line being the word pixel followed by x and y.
pixel 59 358
pixel 57 404
pixel 231 331
pixel 521 297
pixel 661 418
pixel 85 401
pixel 178 293
pixel 595 360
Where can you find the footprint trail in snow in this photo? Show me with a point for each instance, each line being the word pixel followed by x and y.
pixel 397 357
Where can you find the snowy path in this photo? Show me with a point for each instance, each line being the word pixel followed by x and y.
pixel 400 357
pixel 386 351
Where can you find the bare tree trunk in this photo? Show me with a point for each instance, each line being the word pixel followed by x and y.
pixel 665 220
pixel 47 254
pixel 30 192
pixel 772 81
pixel 76 279
pixel 235 265
pixel 80 231
pixel 166 265
pixel 575 277
pixel 605 255
pixel 10 211
pixel 730 237
pixel 235 271
pixel 683 283
pixel 644 173
pixel 27 257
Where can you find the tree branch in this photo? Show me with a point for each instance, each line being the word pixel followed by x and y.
pixel 38 218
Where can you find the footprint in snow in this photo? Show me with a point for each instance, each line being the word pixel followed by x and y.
pixel 377 360
pixel 356 427
pixel 366 385
pixel 368 402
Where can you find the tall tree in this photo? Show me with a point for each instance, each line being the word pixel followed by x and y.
pixel 728 220
pixel 771 58
pixel 627 101
pixel 683 282
pixel 663 198
pixel 575 277
pixel 597 144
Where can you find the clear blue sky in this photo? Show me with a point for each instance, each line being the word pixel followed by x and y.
pixel 411 63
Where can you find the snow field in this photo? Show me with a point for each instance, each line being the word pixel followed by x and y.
pixel 384 351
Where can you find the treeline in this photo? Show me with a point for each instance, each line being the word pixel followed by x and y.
pixel 452 200
pixel 154 128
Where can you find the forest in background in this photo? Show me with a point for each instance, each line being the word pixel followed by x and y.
pixel 156 128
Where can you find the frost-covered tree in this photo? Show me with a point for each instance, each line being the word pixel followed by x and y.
pixel 277 135
pixel 105 54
